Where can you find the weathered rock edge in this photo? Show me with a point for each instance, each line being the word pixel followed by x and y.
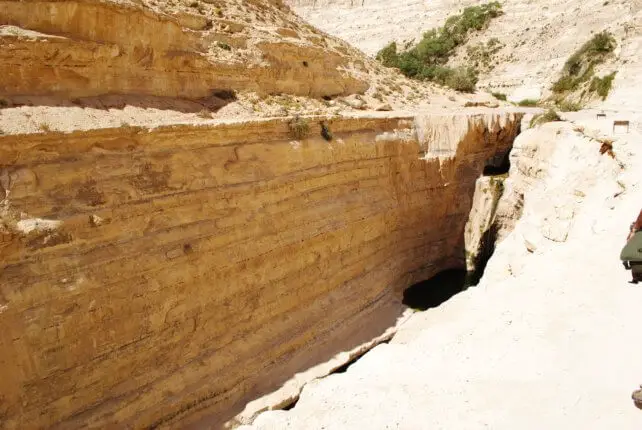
pixel 167 277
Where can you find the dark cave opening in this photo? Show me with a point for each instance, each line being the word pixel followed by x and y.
pixel 497 166
pixel 437 290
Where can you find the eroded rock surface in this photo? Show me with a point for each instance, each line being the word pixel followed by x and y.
pixel 94 47
pixel 169 276
pixel 530 348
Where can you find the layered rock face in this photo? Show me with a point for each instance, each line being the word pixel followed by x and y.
pixel 512 352
pixel 167 277
pixel 193 50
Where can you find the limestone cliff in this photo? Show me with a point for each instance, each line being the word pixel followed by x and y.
pixel 191 50
pixel 555 169
pixel 89 64
pixel 529 350
pixel 166 277
pixel 479 235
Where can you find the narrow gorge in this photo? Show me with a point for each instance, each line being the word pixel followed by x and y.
pixel 167 277
pixel 214 215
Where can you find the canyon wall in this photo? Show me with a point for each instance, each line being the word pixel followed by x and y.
pixel 166 277
pixel 87 48
pixel 555 170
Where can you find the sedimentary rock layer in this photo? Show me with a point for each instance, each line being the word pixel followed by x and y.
pixel 87 48
pixel 166 277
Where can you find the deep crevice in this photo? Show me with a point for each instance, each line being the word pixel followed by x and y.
pixel 346 366
pixel 486 250
pixel 437 290
pixel 497 166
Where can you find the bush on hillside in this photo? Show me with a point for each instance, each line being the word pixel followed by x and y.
pixel 580 66
pixel 299 128
pixel 528 103
pixel 388 55
pixel 462 79
pixel 549 116
pixel 602 86
pixel 568 106
pixel 427 59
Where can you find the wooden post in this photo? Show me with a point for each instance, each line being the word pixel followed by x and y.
pixel 621 123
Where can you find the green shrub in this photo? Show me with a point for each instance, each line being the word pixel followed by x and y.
pixel 579 67
pixel 299 128
pixel 427 59
pixel 528 103
pixel 549 116
pixel 410 65
pixel 481 55
pixel 568 106
pixel 472 18
pixel 602 86
pixel 224 45
pixel 499 96
pixel 564 84
pixel 462 79
pixel 388 55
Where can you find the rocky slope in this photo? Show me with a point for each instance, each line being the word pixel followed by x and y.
pixel 537 37
pixel 189 50
pixel 167 277
pixel 549 339
pixel 70 65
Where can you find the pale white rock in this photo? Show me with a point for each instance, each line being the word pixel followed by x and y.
pixel 525 93
pixel 533 345
pixel 383 107
pixel 27 226
pixel 537 36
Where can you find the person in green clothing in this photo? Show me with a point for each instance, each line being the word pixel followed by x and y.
pixel 635 227
pixel 632 252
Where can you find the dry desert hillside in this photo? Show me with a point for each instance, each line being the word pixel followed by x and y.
pixel 536 37
pixel 98 63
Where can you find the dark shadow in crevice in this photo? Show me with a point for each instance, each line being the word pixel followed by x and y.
pixel 487 248
pixel 345 367
pixel 497 166
pixel 291 405
pixel 438 289
pixel 217 100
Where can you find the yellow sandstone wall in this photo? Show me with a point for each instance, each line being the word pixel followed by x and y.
pixel 83 48
pixel 167 277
